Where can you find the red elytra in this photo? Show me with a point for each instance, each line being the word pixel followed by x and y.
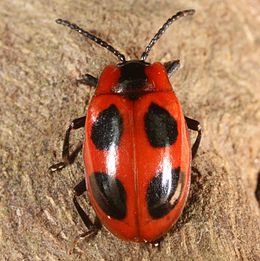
pixel 137 152
pixel 146 161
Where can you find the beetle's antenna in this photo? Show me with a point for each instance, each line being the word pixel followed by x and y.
pixel 163 29
pixel 92 37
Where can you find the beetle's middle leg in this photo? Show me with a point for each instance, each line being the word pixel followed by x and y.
pixel 69 158
pixel 194 125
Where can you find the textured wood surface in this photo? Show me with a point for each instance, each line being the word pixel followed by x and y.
pixel 218 84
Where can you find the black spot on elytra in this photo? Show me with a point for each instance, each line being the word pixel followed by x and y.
pixel 160 191
pixel 107 129
pixel 109 193
pixel 160 126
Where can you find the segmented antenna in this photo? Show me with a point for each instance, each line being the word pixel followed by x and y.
pixel 92 37
pixel 163 29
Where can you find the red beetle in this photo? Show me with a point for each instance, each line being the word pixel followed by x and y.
pixel 137 152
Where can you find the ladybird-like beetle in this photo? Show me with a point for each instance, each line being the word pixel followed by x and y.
pixel 137 151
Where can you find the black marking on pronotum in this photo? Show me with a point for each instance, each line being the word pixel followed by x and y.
pixel 107 129
pixel 109 193
pixel 160 126
pixel 133 80
pixel 161 191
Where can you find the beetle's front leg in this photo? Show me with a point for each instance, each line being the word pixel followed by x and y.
pixel 88 79
pixel 69 158
pixel 172 67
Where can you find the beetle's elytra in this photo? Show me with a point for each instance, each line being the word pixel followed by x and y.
pixel 137 152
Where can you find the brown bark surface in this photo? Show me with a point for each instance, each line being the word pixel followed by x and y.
pixel 218 84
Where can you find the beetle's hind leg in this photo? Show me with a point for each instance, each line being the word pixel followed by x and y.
pixel 88 79
pixel 92 227
pixel 172 67
pixel 194 125
pixel 69 158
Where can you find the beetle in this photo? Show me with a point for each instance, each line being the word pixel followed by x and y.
pixel 137 152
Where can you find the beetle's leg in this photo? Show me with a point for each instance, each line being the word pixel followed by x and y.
pixel 92 227
pixel 68 158
pixel 172 67
pixel 88 79
pixel 194 125
pixel 157 243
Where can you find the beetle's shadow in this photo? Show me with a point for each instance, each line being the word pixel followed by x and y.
pixel 257 190
pixel 197 181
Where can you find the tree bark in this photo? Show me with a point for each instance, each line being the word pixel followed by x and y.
pixel 218 84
